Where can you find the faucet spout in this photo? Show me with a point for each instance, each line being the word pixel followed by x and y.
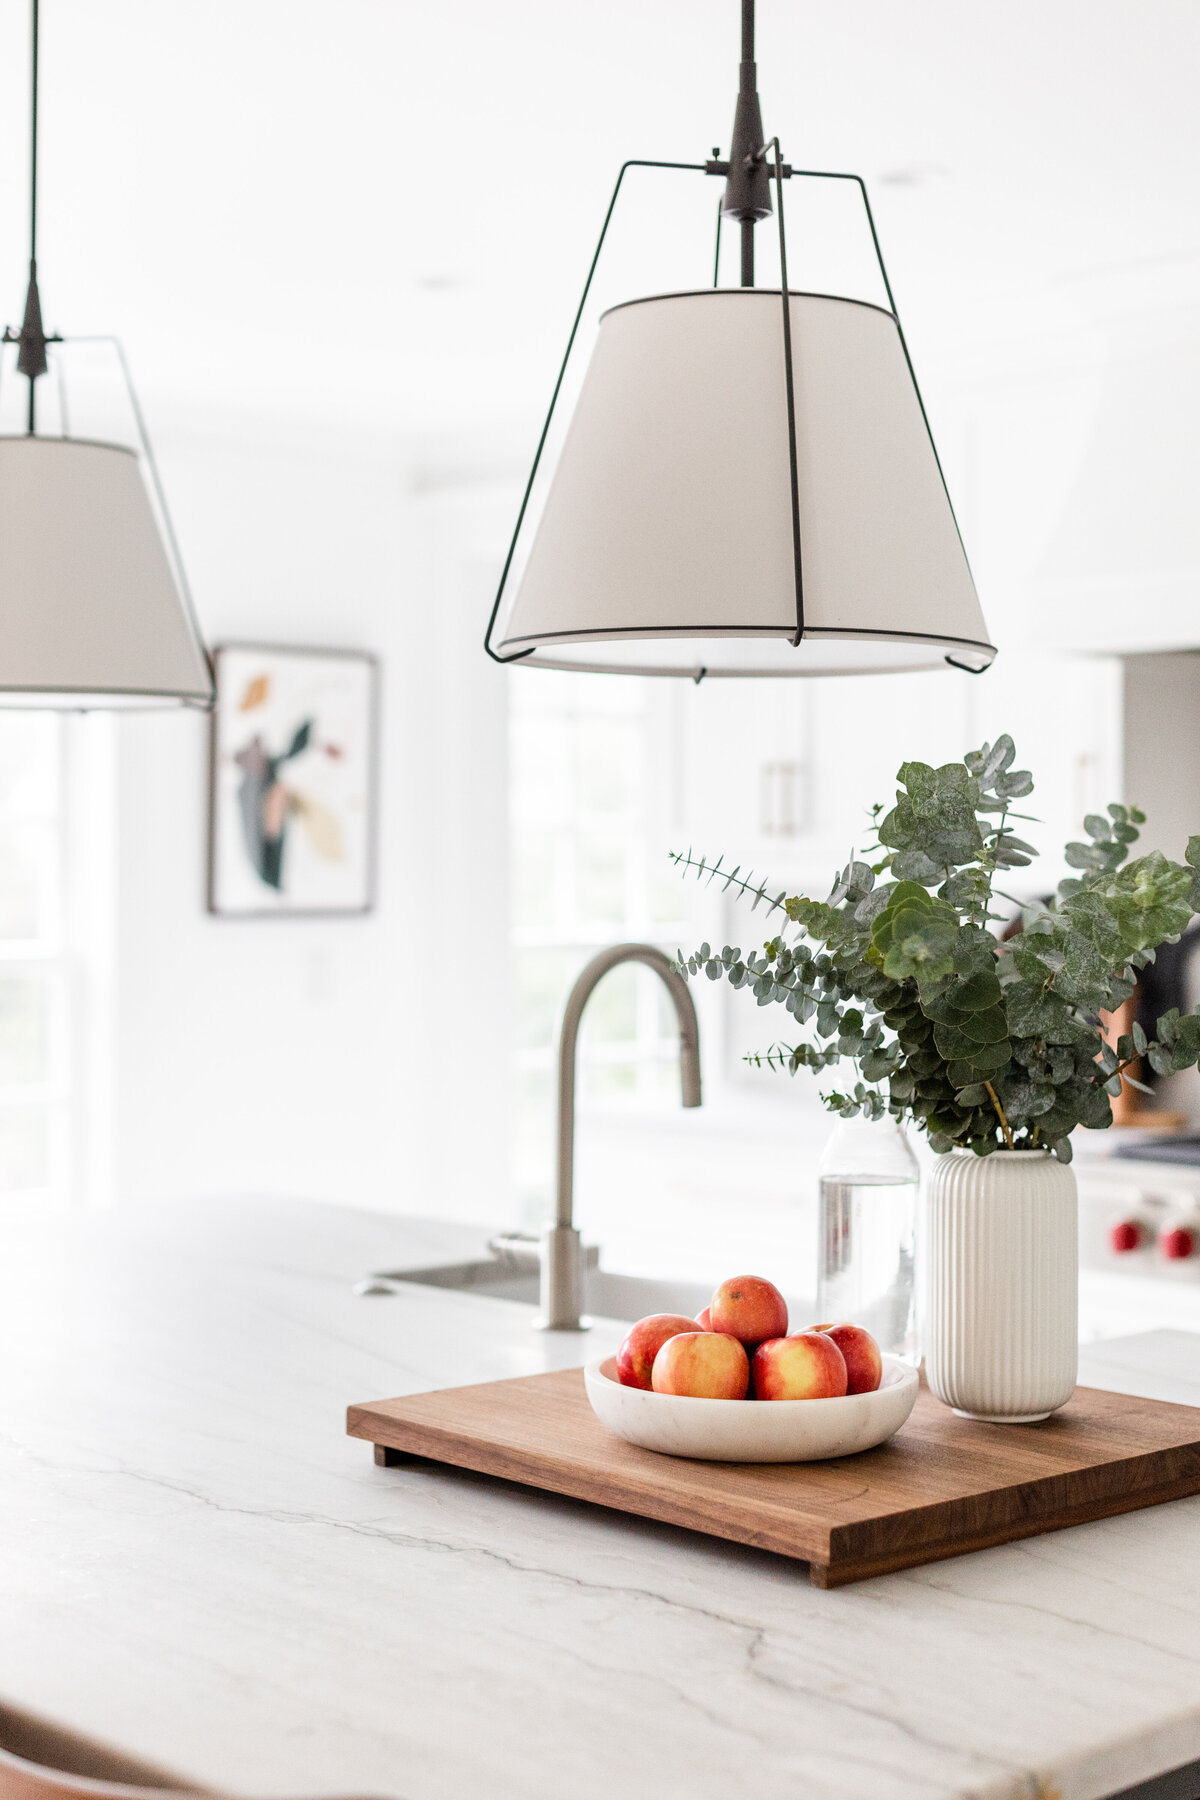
pixel 562 1257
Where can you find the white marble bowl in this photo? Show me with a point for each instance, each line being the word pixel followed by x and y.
pixel 752 1430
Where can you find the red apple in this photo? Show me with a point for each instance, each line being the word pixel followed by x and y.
pixel 806 1366
pixel 864 1368
pixel 1177 1242
pixel 643 1341
pixel 708 1365
pixel 749 1309
pixel 704 1320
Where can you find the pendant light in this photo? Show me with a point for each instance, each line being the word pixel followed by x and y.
pixel 94 606
pixel 748 485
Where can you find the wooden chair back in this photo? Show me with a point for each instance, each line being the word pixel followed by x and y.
pixel 41 1762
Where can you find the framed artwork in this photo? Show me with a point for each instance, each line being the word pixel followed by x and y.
pixel 293 773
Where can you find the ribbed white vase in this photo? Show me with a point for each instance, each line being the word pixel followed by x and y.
pixel 1002 1284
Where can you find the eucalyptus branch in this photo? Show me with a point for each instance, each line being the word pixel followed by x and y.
pixel 997 835
pixel 729 878
pixel 1004 1125
pixel 906 983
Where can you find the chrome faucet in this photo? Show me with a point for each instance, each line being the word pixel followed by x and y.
pixel 562 1251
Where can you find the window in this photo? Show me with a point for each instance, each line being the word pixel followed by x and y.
pixel 589 842
pixel 35 1127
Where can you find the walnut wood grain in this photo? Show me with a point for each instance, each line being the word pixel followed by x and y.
pixel 942 1486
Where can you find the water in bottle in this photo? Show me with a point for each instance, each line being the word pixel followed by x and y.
pixel 867 1225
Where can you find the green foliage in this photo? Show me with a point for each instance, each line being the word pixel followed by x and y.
pixel 983 1043
pixel 914 935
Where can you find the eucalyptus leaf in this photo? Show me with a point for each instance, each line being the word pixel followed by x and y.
pixel 977 993
pixel 992 760
pixel 1014 786
pixel 914 865
pixel 869 909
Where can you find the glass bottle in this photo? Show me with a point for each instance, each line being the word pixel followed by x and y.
pixel 867 1225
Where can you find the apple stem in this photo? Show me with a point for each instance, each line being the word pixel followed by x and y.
pixel 1008 1136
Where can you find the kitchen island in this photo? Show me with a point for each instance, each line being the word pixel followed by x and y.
pixel 198 1568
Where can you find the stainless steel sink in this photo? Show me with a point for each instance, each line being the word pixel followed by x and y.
pixel 512 1273
pixel 608 1295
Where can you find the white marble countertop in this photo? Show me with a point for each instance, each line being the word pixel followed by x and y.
pixel 199 1568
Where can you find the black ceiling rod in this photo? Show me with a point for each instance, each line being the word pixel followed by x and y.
pixel 31 340
pixel 31 357
pixel 748 186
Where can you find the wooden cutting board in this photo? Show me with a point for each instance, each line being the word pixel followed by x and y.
pixel 943 1484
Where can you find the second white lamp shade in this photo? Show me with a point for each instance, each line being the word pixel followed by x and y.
pixel 665 544
pixel 91 613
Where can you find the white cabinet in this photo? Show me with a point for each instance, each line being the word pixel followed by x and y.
pixel 781 776
pixel 745 760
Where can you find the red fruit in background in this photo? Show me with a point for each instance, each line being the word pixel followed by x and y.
pixel 806 1366
pixel 1178 1242
pixel 642 1343
pixel 860 1352
pixel 704 1320
pixel 706 1365
pixel 1126 1235
pixel 749 1309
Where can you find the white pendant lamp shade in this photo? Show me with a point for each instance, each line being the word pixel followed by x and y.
pixel 91 613
pixel 665 545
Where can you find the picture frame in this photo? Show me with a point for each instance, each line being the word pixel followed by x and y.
pixel 293 782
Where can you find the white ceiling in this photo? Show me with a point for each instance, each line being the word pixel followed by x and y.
pixel 381 210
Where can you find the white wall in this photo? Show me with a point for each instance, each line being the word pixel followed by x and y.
pixel 305 1057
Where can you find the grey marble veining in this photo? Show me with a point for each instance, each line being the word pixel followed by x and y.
pixel 198 1567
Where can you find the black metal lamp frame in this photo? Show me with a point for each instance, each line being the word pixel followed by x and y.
pixel 748 174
